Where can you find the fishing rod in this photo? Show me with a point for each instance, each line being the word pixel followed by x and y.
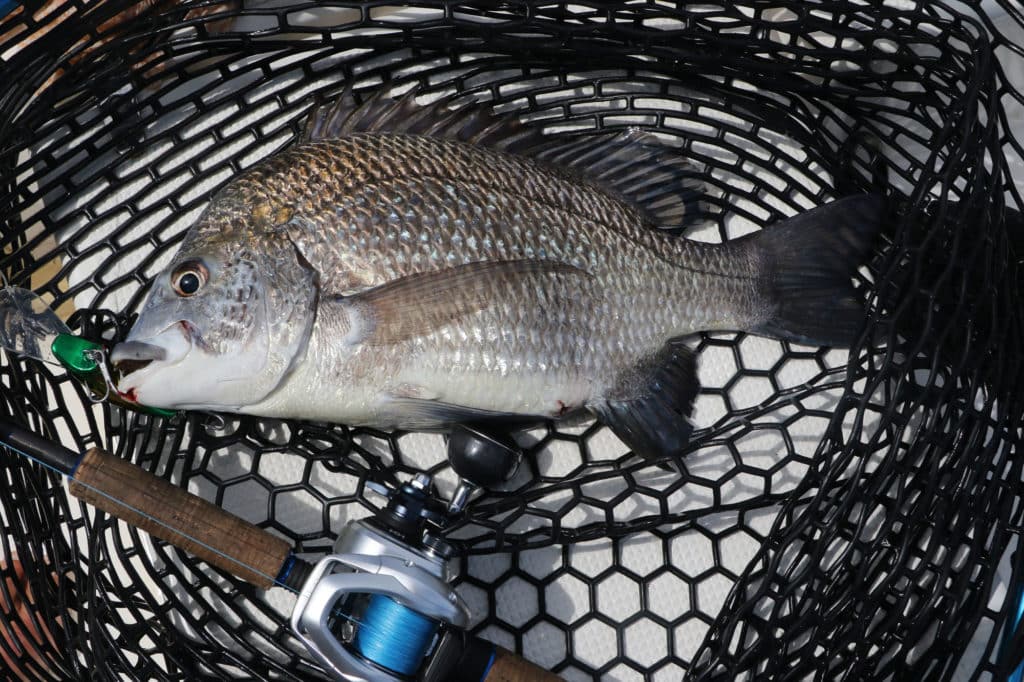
pixel 150 503
pixel 380 608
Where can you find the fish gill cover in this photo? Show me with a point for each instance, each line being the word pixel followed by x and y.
pixel 839 515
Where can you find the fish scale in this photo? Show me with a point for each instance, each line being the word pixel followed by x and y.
pixel 411 281
pixel 620 305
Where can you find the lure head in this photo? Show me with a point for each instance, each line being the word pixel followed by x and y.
pixel 222 326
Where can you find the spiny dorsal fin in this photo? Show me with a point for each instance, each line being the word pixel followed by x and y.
pixel 667 186
pixel 380 113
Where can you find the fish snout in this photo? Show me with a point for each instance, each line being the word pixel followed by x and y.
pixel 168 347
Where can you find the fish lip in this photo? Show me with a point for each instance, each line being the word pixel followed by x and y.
pixel 136 351
pixel 130 357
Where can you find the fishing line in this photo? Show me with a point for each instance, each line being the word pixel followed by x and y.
pixel 1018 673
pixel 392 611
pixel 394 636
pixel 387 633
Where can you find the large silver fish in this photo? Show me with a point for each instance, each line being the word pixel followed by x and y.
pixel 412 267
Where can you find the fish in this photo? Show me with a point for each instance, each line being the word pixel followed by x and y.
pixel 415 266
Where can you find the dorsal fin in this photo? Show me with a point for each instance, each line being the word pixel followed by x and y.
pixel 666 185
pixel 473 123
pixel 635 164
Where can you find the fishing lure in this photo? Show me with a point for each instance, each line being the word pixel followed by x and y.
pixel 29 328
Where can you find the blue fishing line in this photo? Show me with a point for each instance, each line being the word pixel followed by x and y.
pixel 1018 674
pixel 286 569
pixel 393 636
pixel 490 664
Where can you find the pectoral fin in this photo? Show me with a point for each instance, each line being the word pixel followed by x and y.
pixel 649 409
pixel 419 304
pixel 415 414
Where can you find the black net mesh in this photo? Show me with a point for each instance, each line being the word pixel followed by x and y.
pixel 842 515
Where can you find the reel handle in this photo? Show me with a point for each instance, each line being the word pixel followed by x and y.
pixel 187 521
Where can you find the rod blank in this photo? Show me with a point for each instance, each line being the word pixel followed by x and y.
pixel 51 453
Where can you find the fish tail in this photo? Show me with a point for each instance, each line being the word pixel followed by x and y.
pixel 807 266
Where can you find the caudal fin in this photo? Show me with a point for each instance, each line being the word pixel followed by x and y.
pixel 809 263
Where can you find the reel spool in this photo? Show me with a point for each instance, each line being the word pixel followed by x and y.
pixel 378 607
pixel 391 635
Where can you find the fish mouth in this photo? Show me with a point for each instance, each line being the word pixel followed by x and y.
pixel 126 367
pixel 131 356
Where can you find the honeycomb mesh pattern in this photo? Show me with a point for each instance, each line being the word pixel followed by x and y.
pixel 841 515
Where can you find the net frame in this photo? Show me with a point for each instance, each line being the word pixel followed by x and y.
pixel 902 503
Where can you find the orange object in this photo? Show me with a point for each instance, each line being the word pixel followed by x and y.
pixel 24 632
pixel 53 13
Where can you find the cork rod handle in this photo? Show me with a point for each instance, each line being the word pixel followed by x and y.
pixel 188 522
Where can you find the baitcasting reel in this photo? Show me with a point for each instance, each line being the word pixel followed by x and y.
pixel 380 605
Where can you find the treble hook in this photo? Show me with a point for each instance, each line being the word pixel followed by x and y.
pixel 214 422
pixel 99 356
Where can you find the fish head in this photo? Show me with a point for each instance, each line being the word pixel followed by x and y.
pixel 222 326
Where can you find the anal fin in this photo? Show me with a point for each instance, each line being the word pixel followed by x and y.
pixel 650 407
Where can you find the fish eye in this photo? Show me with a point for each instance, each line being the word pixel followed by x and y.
pixel 188 278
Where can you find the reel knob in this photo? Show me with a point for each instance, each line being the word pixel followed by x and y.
pixel 481 459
